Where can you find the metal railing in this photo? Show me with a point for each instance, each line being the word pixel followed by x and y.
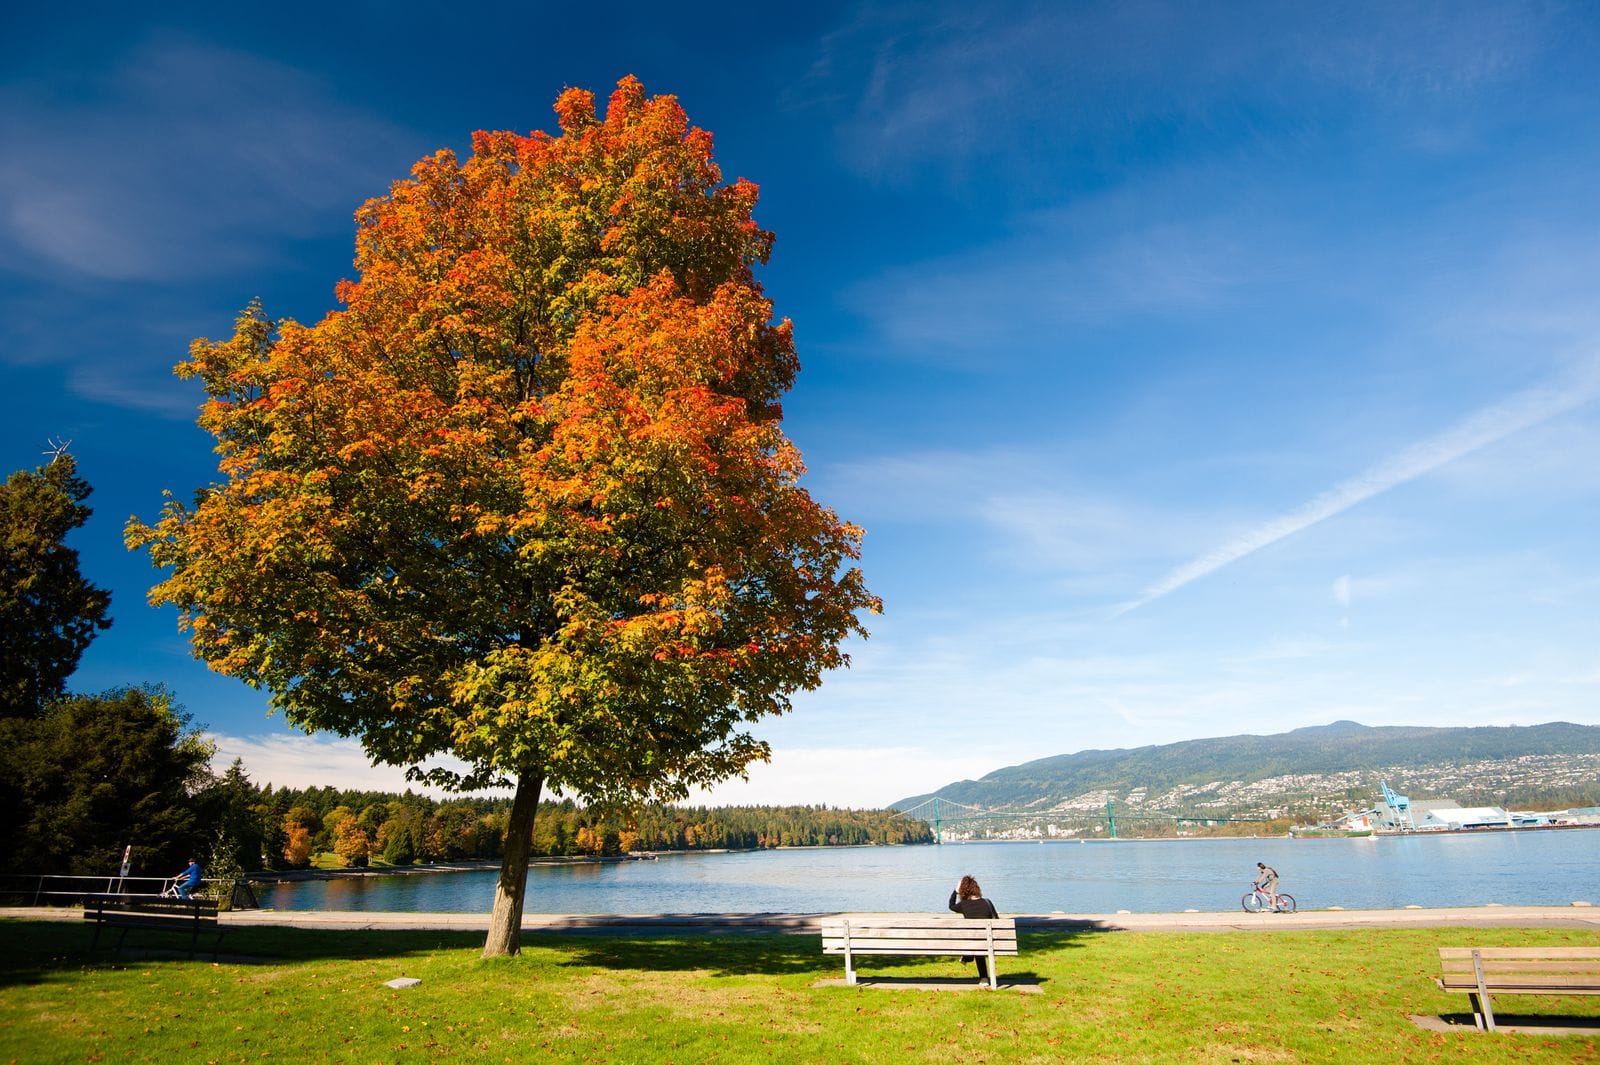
pixel 54 889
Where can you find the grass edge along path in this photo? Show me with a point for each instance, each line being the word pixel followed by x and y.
pixel 319 995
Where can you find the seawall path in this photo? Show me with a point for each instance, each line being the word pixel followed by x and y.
pixel 672 924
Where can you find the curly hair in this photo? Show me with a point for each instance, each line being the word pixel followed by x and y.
pixel 969 889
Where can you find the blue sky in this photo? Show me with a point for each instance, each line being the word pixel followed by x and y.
pixel 1194 369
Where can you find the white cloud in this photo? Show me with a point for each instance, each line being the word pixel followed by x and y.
pixel 858 777
pixel 1341 590
pixel 311 762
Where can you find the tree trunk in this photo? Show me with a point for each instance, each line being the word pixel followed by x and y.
pixel 505 921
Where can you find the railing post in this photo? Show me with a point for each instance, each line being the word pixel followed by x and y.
pixel 849 965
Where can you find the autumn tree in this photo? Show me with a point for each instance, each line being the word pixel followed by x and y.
pixel 525 498
pixel 297 844
pixel 48 611
pixel 351 843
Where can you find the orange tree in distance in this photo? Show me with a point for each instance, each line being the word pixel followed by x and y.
pixel 524 503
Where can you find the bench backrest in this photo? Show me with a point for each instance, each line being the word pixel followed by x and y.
pixel 97 907
pixel 917 933
pixel 1545 967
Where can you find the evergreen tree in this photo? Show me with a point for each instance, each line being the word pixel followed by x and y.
pixel 96 773
pixel 48 612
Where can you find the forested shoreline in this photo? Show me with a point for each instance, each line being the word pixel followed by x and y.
pixel 331 827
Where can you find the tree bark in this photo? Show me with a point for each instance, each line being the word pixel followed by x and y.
pixel 505 921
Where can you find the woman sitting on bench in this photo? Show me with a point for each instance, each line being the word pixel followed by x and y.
pixel 967 900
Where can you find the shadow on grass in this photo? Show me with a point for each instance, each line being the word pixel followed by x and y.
pixel 37 951
pixel 782 955
pixel 33 951
pixel 1507 1023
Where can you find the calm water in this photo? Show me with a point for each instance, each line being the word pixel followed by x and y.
pixel 1514 868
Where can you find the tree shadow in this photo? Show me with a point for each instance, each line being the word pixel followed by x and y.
pixel 784 954
pixel 33 951
pixel 36 951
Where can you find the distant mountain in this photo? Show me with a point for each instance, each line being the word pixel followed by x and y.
pixel 1306 762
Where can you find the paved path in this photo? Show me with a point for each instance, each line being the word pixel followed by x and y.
pixel 1585 917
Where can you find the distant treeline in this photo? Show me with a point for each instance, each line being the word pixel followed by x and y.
pixel 357 827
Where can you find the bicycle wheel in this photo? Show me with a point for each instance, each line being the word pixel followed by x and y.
pixel 1285 904
pixel 1251 902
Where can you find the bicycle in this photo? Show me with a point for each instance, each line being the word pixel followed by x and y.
pixel 170 891
pixel 1255 900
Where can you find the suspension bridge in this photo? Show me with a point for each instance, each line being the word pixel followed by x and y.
pixel 941 812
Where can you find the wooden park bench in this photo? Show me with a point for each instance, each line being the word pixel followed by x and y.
pixel 154 914
pixel 858 934
pixel 1485 971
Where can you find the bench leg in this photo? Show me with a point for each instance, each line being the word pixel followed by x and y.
pixel 1483 1012
pixel 849 967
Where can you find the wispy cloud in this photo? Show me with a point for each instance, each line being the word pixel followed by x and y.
pixel 1487 426
pixel 184 160
pixel 954 86
pixel 1064 270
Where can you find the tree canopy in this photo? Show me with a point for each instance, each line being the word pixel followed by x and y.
pixel 48 612
pixel 95 773
pixel 525 499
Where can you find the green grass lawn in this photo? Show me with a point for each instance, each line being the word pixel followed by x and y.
pixel 312 995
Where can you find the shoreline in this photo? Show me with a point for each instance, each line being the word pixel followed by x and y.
pixel 1577 915
pixel 471 865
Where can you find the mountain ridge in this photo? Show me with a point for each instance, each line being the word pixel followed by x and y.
pixel 1341 747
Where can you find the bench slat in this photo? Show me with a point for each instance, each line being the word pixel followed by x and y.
pixel 911 935
pixel 1510 983
pixel 888 947
pixel 832 925
pixel 1496 989
pixel 186 913
pixel 1513 953
pixel 1503 968
pixel 912 941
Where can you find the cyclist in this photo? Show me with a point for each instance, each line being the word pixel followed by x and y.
pixel 187 880
pixel 1267 881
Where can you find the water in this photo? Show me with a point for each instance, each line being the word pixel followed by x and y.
pixel 1144 876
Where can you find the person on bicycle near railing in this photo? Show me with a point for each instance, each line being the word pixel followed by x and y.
pixel 187 880
pixel 1267 881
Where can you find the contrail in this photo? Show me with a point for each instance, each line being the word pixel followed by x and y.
pixel 1512 415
